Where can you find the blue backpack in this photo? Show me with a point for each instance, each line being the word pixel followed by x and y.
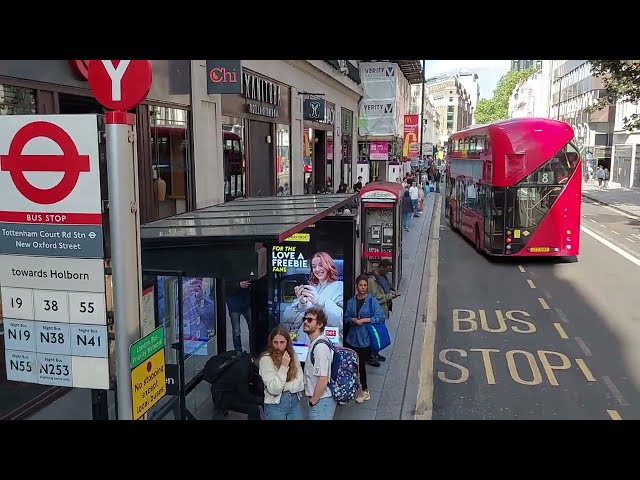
pixel 344 381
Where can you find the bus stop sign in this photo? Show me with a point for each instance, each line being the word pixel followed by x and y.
pixel 120 84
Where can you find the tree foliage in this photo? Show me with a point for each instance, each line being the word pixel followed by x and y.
pixel 622 82
pixel 489 110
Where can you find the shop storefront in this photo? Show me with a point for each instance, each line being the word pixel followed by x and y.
pixel 256 135
pixel 318 151
pixel 163 123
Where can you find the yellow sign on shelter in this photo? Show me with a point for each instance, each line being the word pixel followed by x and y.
pixel 148 383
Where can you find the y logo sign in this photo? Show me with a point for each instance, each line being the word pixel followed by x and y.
pixel 120 84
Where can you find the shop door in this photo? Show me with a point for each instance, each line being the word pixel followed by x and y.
pixel 261 160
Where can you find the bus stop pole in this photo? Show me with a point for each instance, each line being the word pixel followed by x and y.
pixel 125 248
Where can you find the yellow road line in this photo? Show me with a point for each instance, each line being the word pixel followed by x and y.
pixel 614 415
pixel 561 331
pixel 424 400
pixel 585 370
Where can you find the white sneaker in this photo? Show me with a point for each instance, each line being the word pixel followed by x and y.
pixel 364 397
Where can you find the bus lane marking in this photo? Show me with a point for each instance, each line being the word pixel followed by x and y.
pixel 614 415
pixel 585 370
pixel 521 268
pixel 525 368
pixel 543 302
pixel 561 331
pixel 531 284
pixel 465 321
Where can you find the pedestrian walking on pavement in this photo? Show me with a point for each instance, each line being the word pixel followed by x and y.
pixel 407 210
pixel 361 309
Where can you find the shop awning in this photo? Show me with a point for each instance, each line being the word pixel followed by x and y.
pixel 226 239
pixel 412 70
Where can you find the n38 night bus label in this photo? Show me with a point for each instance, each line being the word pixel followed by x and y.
pixel 54 370
pixel 53 338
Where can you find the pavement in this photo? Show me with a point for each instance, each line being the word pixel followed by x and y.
pixel 625 200
pixel 393 386
pixel 540 338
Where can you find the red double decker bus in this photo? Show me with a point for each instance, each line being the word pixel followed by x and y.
pixel 514 187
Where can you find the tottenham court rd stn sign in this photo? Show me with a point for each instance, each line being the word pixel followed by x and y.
pixel 52 278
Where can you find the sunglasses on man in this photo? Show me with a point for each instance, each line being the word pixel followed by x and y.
pixel 308 319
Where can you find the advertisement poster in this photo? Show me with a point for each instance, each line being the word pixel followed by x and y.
pixel 305 276
pixel 379 151
pixel 199 311
pixel 410 145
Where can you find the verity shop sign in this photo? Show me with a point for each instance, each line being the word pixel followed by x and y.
pixel 52 279
pixel 224 76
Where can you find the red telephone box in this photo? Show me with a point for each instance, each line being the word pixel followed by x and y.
pixel 381 227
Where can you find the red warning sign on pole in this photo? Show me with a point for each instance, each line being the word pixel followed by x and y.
pixel 49 169
pixel 120 84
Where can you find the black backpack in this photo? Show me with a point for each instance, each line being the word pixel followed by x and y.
pixel 234 372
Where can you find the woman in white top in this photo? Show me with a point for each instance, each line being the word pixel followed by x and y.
pixel 283 378
pixel 324 291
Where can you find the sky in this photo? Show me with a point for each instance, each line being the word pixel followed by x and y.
pixel 489 71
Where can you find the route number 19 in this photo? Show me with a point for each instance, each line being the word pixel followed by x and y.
pixel 17 303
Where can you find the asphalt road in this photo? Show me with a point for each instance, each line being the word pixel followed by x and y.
pixel 540 339
pixel 623 230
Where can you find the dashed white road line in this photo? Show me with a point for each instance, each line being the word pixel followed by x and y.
pixel 531 284
pixel 613 231
pixel 521 268
pixel 583 346
pixel 614 391
pixel 543 303
pixel 631 240
pixel 613 247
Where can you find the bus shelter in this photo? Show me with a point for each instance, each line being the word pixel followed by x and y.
pixel 191 260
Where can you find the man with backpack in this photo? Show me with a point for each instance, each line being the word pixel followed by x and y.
pixel 380 289
pixel 317 371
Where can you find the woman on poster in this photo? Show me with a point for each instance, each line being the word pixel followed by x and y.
pixel 324 290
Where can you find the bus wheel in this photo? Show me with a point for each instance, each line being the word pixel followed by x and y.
pixel 477 239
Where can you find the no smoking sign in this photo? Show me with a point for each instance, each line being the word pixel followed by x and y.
pixel 49 164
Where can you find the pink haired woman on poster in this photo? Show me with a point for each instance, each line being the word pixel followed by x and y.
pixel 323 291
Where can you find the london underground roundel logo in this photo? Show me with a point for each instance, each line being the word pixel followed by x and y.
pixel 70 163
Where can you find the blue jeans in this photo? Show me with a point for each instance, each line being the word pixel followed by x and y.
pixel 235 327
pixel 406 220
pixel 414 203
pixel 288 409
pixel 324 409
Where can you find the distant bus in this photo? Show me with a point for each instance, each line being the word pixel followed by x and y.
pixel 514 187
